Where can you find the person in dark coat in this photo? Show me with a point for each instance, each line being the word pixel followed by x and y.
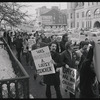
pixel 18 43
pixel 69 57
pixel 44 38
pixel 82 52
pixel 88 77
pixel 63 41
pixel 38 44
pixel 53 79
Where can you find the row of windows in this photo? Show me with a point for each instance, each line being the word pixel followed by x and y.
pixel 88 24
pixel 96 12
pixel 88 14
pixel 89 3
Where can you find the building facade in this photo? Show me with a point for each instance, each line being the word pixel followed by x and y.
pixel 40 11
pixel 53 18
pixel 83 14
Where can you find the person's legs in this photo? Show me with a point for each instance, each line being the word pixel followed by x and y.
pixel 58 92
pixel 48 91
pixel 41 81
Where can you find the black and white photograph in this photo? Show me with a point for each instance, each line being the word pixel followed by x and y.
pixel 49 50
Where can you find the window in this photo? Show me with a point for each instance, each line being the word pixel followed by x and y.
pixel 71 25
pixel 82 3
pixel 88 14
pixel 82 14
pixel 92 3
pixel 88 3
pixel 88 24
pixel 77 24
pixel 77 15
pixel 71 16
pixel 97 12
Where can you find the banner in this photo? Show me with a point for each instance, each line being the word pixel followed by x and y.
pixel 68 79
pixel 42 59
pixel 96 60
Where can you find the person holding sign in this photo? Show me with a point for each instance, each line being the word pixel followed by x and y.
pixel 70 58
pixel 39 44
pixel 53 79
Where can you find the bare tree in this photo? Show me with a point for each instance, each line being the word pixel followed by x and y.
pixel 10 13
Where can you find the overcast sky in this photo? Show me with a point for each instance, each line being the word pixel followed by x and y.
pixel 34 5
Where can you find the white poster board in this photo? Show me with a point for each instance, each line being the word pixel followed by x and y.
pixel 68 79
pixel 42 59
pixel 30 43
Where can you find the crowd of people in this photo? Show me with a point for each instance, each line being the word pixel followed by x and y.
pixel 80 59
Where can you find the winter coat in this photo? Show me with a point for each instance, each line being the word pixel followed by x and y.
pixel 83 57
pixel 45 40
pixel 18 43
pixel 62 45
pixel 66 58
pixel 53 79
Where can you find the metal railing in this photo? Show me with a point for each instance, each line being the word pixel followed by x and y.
pixel 20 83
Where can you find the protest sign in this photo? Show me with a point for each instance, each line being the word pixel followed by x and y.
pixel 30 43
pixel 68 79
pixel 42 59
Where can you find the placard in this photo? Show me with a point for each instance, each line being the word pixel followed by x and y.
pixel 42 59
pixel 68 79
pixel 30 43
